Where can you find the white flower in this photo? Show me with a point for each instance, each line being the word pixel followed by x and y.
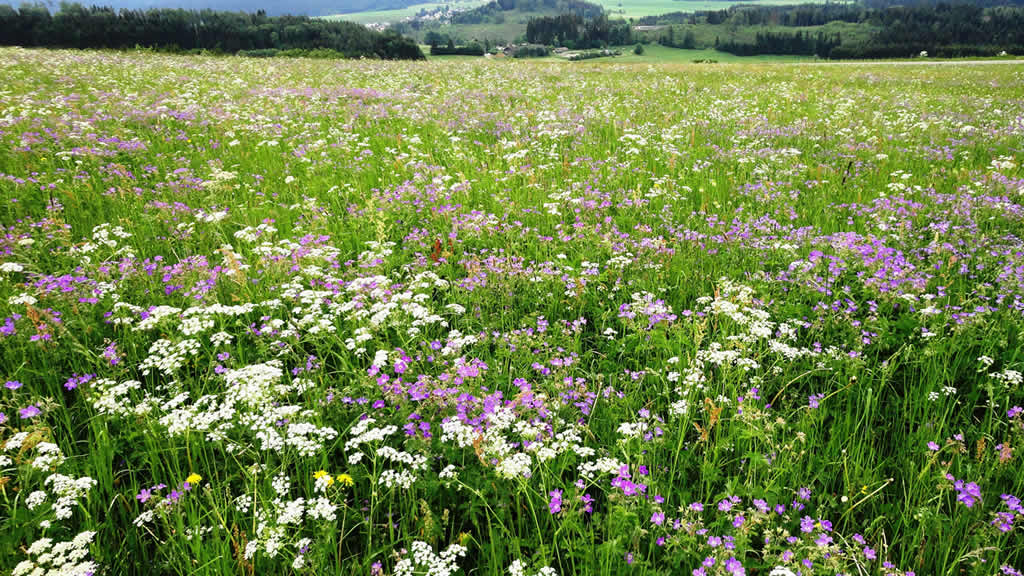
pixel 425 561
pixel 22 298
pixel 35 499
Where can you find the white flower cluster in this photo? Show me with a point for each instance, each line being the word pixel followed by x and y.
pixel 48 456
pixel 251 234
pixel 102 237
pixel 518 568
pixel 454 430
pixel 589 470
pixel 425 561
pixel 255 384
pixel 167 356
pixel 1008 377
pixel 110 397
pixel 362 433
pixel 68 491
pixel 47 558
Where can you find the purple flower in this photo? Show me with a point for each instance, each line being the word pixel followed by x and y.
pixel 588 503
pixel 555 505
pixel 697 507
pixel 738 521
pixel 734 567
pixel 968 493
pixel 814 401
pixel 30 411
pixel 804 493
pixel 726 504
pixel 110 353
pixel 1012 502
pixel 629 557
pixel 870 553
pixel 806 524
pixel 933 446
pixel 12 385
pixel 658 518
pixel 144 495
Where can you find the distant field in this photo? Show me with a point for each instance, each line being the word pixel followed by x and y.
pixel 705 34
pixel 622 8
pixel 641 8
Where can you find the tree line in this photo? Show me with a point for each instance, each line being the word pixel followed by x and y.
pixel 576 32
pixel 75 26
pixel 819 44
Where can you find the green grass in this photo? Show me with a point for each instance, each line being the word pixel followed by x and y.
pixel 631 317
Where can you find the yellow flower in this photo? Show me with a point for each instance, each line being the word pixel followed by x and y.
pixel 194 479
pixel 345 480
pixel 322 474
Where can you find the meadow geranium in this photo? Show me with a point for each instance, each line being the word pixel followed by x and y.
pixel 555 503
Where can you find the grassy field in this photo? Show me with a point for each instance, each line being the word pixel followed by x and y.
pixel 290 316
pixel 641 8
pixel 706 34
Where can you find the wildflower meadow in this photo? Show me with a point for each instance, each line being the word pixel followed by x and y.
pixel 268 316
